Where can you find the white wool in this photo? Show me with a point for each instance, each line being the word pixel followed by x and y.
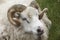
pixel 24 2
pixel 2 27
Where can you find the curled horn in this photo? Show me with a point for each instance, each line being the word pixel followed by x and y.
pixel 14 14
pixel 42 13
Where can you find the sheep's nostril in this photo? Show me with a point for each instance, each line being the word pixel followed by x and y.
pixel 40 32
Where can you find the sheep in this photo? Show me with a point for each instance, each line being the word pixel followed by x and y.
pixel 23 20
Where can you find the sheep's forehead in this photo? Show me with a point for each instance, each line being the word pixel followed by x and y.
pixel 30 11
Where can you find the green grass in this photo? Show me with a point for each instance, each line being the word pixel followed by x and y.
pixel 54 15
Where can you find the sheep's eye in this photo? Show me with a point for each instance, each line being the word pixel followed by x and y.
pixel 24 19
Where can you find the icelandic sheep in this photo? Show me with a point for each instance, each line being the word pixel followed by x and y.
pixel 23 20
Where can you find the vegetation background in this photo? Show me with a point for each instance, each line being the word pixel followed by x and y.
pixel 54 15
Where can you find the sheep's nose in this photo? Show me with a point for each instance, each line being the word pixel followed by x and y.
pixel 40 32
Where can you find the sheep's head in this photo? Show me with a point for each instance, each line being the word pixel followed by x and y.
pixel 28 17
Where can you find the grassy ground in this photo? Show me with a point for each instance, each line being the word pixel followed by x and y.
pixel 54 16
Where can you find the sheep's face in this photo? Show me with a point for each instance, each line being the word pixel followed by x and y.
pixel 29 18
pixel 31 21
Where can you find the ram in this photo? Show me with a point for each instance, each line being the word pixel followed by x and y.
pixel 23 20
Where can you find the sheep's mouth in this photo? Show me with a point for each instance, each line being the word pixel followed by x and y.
pixel 39 35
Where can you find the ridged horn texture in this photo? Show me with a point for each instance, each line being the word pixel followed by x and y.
pixel 14 14
pixel 42 12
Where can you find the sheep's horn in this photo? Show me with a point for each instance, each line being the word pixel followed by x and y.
pixel 42 13
pixel 14 14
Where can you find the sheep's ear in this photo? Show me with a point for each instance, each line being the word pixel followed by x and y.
pixel 14 14
pixel 42 13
